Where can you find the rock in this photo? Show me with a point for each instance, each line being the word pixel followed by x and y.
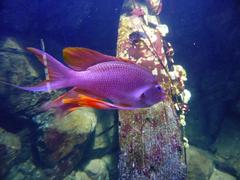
pixel 106 137
pixel 17 68
pixel 111 161
pixel 227 146
pixel 62 143
pixel 219 175
pixel 10 148
pixel 104 144
pixel 59 145
pixel 81 176
pixel 200 164
pixel 96 169
pixel 26 170
pixel 15 58
pixel 81 121
pixel 77 175
pixel 104 168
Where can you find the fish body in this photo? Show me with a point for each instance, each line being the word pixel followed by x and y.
pixel 120 82
pixel 97 80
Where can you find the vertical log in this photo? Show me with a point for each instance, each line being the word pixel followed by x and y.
pixel 150 139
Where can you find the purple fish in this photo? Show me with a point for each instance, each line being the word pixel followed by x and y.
pixel 98 81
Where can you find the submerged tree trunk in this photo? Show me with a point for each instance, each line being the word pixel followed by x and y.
pixel 150 139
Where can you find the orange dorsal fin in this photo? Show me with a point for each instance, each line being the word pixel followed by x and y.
pixel 81 58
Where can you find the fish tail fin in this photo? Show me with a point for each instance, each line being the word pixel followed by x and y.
pixel 56 73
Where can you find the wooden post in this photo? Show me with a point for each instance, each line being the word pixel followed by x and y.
pixel 151 138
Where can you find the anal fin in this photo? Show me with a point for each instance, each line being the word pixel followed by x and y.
pixel 87 101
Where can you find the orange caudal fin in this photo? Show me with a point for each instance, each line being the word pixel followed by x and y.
pixel 56 73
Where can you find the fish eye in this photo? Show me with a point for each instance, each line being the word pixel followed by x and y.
pixel 158 87
pixel 143 95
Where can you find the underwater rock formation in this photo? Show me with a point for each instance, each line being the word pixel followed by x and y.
pixel 206 166
pixel 25 170
pixel 56 147
pixel 213 122
pixel 210 42
pixel 65 148
pixel 17 68
pixel 10 149
pixel 218 175
pixel 96 169
pixel 226 147
pixel 58 139
pixel 106 132
pixel 200 164
pixel 103 168
pixel 63 144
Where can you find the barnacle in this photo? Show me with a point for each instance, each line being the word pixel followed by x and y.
pixel 182 120
pixel 185 96
pixel 163 29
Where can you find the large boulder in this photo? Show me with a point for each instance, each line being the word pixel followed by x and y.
pixel 200 164
pixel 58 145
pixel 61 143
pixel 96 169
pixel 106 138
pixel 10 149
pixel 204 165
pixel 18 67
pixel 25 170
pixel 219 175
pixel 227 146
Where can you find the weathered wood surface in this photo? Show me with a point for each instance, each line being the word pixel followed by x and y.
pixel 150 139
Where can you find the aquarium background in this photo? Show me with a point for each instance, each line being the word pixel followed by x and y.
pixel 205 36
